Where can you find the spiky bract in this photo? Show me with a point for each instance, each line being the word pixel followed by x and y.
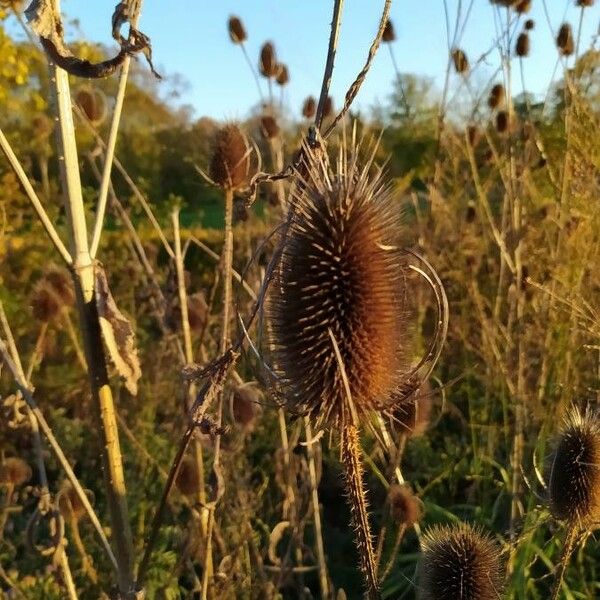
pixel 459 562
pixel 339 283
pixel 574 483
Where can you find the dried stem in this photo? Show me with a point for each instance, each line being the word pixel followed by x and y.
pixel 568 548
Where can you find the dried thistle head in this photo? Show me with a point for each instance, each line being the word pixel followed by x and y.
pixel 92 103
pixel 45 303
pixel 564 40
pixel 14 471
pixel 522 45
pixel 268 65
pixel 269 127
pixel 309 108
pixel 460 60
pixel 405 508
pixel 412 415
pixel 237 33
pixel 389 35
pixel 497 96
pixel 187 480
pixel 336 293
pixel 230 163
pixel 459 562
pixel 574 482
pixel 283 76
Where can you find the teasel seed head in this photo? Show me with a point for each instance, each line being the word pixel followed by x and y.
pixel 328 107
pixel 69 502
pixel 309 108
pixel 283 76
pixel 45 303
pixel 237 33
pixel 411 416
pixel 473 135
pixel 269 127
pixel 574 482
pixel 338 288
pixel 522 7
pixel 522 46
pixel 244 406
pixel 497 96
pixel 187 480
pixel 459 562
pixel 42 126
pixel 197 311
pixel 60 282
pixel 268 65
pixel 389 35
pixel 14 471
pixel 92 103
pixel 564 40
pixel 502 122
pixel 405 508
pixel 230 163
pixel 460 60
pixel 529 25
pixel 585 3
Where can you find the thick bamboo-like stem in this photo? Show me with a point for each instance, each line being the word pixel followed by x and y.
pixel 224 342
pixel 323 579
pixel 83 275
pixel 357 500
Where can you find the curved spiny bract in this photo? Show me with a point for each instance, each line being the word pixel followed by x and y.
pixel 459 562
pixel 574 483
pixel 339 283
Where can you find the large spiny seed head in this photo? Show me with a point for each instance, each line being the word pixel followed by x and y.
pixel 389 35
pixel 459 562
pixel 14 471
pixel 564 40
pixel 309 108
pixel 574 483
pixel 338 288
pixel 268 65
pixel 237 33
pixel 230 163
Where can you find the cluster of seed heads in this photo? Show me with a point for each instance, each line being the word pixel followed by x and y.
pixel 459 562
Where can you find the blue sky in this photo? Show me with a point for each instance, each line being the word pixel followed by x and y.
pixel 189 37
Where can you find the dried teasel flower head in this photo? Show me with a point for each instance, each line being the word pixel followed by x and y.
pixel 45 303
pixel 92 103
pixel 564 40
pixel 230 163
pixel 529 25
pixel 459 562
pixel 244 406
pixel 237 33
pixel 328 107
pixel 69 503
pixel 389 35
pixel 42 126
pixel 460 60
pixel 522 45
pixel 309 108
pixel 269 127
pixel 283 76
pixel 405 508
pixel 502 122
pixel 267 64
pixel 473 135
pixel 585 3
pixel 497 96
pixel 197 311
pixel 334 299
pixel 60 282
pixel 411 416
pixel 14 471
pixel 574 482
pixel 523 6
pixel 187 480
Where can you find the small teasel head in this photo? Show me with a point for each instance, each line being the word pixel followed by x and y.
pixel 497 96
pixel 45 303
pixel 411 415
pixel 460 60
pixel 230 163
pixel 585 3
pixel 529 25
pixel 502 122
pixel 237 33
pixel 61 283
pixel 523 6
pixel 267 64
pixel 269 127
pixel 522 46
pixel 335 296
pixel 70 504
pixel 405 508
pixel 245 406
pixel 564 40
pixel 389 35
pixel 574 482
pixel 459 562
pixel 187 480
pixel 328 107
pixel 309 108
pixel 283 76
pixel 14 471
pixel 92 103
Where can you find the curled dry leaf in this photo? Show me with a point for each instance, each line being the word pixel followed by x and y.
pixel 117 332
pixel 274 539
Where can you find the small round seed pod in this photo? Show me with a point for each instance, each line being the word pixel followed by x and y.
pixel 283 76
pixel 187 480
pixel 405 508
pixel 497 96
pixel 502 122
pixel 522 7
pixel 529 25
pixel 459 562
pixel 269 127
pixel 411 416
pixel 14 471
pixel 336 294
pixel 564 40
pixel 92 103
pixel 244 406
pixel 309 108
pixel 522 45
pixel 230 164
pixel 60 282
pixel 460 60
pixel 237 33
pixel 328 107
pixel 45 303
pixel 389 35
pixel 574 482
pixel 268 65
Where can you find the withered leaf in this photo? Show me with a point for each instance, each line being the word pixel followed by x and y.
pixel 117 332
